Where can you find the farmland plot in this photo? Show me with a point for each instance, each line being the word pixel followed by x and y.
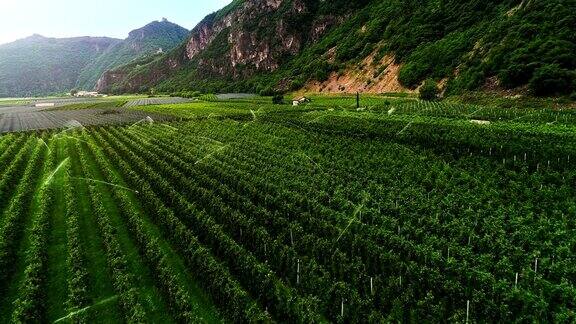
pixel 157 101
pixel 39 120
pixel 260 214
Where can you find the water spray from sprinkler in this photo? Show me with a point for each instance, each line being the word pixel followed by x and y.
pixel 212 154
pixel 316 119
pixel 71 125
pixel 148 120
pixel 353 218
pixel 405 128
pixel 171 127
pixel 313 162
pixel 74 138
pixel 106 183
pixel 42 141
pixel 210 139
pixel 51 176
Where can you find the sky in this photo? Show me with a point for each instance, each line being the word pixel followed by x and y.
pixel 112 18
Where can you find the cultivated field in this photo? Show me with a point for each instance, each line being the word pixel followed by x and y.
pixel 156 101
pixel 243 211
pixel 41 120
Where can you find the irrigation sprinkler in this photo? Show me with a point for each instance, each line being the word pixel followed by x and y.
pixel 342 308
pixel 516 281
pixel 371 286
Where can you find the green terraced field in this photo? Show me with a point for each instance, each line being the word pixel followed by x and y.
pixel 241 211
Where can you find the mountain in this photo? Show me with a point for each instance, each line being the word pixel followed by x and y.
pixel 37 65
pixel 519 46
pixel 154 38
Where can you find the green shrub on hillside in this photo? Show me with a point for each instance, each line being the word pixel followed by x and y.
pixel 552 80
pixel 278 99
pixel 429 90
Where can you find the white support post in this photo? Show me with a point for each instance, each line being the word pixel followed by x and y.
pixel 298 273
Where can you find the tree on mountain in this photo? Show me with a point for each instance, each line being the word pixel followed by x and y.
pixel 429 90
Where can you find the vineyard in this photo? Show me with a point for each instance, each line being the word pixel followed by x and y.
pixel 243 211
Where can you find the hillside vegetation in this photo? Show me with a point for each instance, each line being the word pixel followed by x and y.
pixel 151 39
pixel 527 46
pixel 38 66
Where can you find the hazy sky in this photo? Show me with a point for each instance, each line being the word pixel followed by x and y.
pixel 113 18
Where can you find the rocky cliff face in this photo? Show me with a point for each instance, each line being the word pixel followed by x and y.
pixel 249 47
pixel 248 37
pixel 141 42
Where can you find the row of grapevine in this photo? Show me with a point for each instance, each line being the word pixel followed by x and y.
pixel 214 278
pixel 78 282
pixel 11 176
pixel 29 306
pixel 436 253
pixel 251 233
pixel 14 216
pixel 255 275
pixel 184 308
pixel 124 280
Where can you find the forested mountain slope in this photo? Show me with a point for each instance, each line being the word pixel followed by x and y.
pixel 156 37
pixel 263 45
pixel 39 66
